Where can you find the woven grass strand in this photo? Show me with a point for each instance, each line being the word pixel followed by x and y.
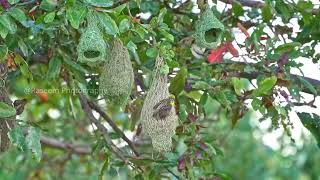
pixel 162 130
pixel 208 22
pixel 91 41
pixel 116 79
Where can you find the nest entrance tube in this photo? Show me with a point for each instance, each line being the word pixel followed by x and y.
pixel 209 30
pixel 92 49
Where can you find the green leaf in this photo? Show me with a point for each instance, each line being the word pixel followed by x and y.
pixel 124 25
pixel 312 123
pixel 287 47
pixel 33 142
pixel 308 85
pixel 19 15
pixel 266 85
pixel 54 68
pixel 7 23
pixel 3 53
pixel 49 17
pixel 3 31
pixel 237 9
pixel 201 85
pixel 103 168
pixel 267 13
pixel 13 1
pixel 178 82
pixel 152 52
pixel 23 47
pixel 239 84
pixel 48 5
pixel 167 35
pixel 6 110
pixel 74 65
pixel 17 138
pixel 132 47
pixel 100 3
pixel 108 23
pixel 24 68
pixel 76 15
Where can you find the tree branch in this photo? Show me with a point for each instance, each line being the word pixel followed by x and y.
pixel 101 128
pixel 95 107
pixel 257 4
pixel 66 146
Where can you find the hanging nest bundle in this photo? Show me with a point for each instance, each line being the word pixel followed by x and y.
pixel 116 79
pixel 92 47
pixel 209 30
pixel 158 115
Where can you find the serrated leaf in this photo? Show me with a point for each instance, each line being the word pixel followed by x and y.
pixel 33 142
pixel 100 3
pixel 308 85
pixel 54 68
pixel 17 138
pixel 49 17
pixel 23 47
pixel 178 82
pixel 7 23
pixel 19 15
pixel 312 123
pixel 6 110
pixel 108 24
pixel 3 52
pixel 23 66
pixel 76 15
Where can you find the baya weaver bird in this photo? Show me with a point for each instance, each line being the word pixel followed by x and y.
pixel 162 108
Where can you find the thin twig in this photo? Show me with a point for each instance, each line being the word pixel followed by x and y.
pixel 101 128
pixel 95 107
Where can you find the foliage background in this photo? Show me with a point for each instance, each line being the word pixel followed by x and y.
pixel 218 135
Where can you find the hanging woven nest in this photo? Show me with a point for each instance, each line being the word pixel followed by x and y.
pixel 158 115
pixel 116 79
pixel 209 30
pixel 92 47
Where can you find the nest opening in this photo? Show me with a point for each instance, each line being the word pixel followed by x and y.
pixel 211 35
pixel 91 54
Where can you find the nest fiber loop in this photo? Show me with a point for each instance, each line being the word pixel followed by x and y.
pixel 92 47
pixel 208 23
pixel 116 79
pixel 159 127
